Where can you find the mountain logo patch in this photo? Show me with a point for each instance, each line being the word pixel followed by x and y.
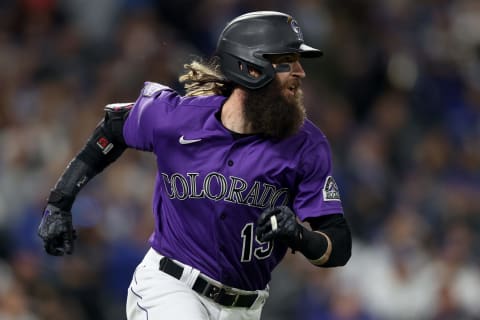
pixel 330 190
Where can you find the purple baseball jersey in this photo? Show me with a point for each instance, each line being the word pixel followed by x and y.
pixel 211 187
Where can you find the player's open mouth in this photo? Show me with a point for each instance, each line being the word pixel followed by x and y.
pixel 293 86
pixel 293 89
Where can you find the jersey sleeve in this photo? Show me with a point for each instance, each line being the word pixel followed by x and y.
pixel 317 193
pixel 147 116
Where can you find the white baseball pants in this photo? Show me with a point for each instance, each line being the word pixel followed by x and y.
pixel 154 295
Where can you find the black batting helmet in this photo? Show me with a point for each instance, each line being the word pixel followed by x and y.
pixel 248 38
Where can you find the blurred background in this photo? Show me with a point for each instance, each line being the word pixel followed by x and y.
pixel 397 93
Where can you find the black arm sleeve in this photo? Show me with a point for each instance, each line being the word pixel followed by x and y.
pixel 336 228
pixel 105 145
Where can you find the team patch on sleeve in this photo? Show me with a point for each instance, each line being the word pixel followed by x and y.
pixel 330 190
pixel 151 88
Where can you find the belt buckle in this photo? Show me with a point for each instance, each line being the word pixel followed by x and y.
pixel 215 292
pixel 230 292
pixel 211 291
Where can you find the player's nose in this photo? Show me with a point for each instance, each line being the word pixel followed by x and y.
pixel 297 70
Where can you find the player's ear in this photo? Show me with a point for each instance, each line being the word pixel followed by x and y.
pixel 251 70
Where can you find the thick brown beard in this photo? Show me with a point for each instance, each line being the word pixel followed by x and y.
pixel 271 113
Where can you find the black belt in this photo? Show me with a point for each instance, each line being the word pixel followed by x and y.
pixel 219 294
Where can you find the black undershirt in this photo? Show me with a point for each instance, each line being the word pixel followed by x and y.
pixel 337 229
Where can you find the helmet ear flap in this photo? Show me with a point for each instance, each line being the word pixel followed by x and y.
pixel 238 71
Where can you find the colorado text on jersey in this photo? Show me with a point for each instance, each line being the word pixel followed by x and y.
pixel 216 186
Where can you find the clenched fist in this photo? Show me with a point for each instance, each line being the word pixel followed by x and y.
pixel 56 231
pixel 280 223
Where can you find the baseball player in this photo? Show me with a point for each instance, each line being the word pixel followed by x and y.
pixel 242 177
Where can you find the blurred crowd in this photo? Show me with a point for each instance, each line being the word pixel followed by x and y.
pixel 397 93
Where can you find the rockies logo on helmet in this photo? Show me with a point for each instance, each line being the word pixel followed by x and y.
pixel 296 28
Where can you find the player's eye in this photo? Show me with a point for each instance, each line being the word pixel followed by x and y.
pixel 282 67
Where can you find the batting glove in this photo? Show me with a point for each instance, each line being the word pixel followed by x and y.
pixel 56 231
pixel 280 223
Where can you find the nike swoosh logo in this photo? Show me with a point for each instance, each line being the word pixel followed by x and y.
pixel 182 140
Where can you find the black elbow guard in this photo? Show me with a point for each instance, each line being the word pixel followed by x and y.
pixel 106 143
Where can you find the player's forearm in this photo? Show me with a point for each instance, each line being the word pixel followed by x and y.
pixel 75 176
pixel 86 165
pixel 102 148
pixel 315 247
pixel 328 247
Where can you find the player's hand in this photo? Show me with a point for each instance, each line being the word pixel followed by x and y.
pixel 56 231
pixel 280 223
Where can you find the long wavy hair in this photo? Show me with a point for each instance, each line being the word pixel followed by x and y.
pixel 203 77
